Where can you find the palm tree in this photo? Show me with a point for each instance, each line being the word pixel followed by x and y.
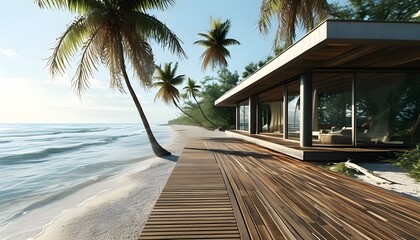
pixel 166 86
pixel 191 90
pixel 215 42
pixel 290 14
pixel 113 32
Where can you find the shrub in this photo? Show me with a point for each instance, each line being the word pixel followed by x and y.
pixel 410 160
pixel 342 169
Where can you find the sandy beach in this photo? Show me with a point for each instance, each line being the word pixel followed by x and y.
pixel 122 208
pixel 401 182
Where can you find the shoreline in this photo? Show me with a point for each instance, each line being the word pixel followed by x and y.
pixel 121 207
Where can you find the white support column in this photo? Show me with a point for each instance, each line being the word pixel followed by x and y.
pixel 306 109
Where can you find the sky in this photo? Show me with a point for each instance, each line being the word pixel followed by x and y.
pixel 29 95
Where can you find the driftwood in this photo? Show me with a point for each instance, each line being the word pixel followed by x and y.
pixel 367 173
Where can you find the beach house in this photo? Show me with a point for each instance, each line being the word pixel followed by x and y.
pixel 347 89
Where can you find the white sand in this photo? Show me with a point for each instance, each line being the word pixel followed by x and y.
pixel 403 183
pixel 121 210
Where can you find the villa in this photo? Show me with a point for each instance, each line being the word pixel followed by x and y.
pixel 347 89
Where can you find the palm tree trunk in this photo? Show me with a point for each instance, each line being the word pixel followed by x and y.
pixel 202 113
pixel 182 110
pixel 157 149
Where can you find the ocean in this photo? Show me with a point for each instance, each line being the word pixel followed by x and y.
pixel 41 164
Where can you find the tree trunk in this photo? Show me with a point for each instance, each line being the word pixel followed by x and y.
pixel 201 110
pixel 367 173
pixel 157 149
pixel 176 105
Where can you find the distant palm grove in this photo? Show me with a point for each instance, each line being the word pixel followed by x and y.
pixel 119 33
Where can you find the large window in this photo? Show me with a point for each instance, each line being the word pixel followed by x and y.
pixel 293 104
pixel 271 111
pixel 244 116
pixel 388 108
pixel 332 108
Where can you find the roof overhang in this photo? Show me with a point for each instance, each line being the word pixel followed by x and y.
pixel 336 45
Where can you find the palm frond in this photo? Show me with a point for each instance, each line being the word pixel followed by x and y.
pixel 215 41
pixel 230 41
pixel 76 6
pixel 88 62
pixel 141 57
pixel 68 45
pixel 151 28
pixel 267 9
pixel 147 5
pixel 178 80
pixel 93 51
pixel 289 14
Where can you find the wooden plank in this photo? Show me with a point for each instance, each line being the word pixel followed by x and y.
pixel 229 189
pixel 194 203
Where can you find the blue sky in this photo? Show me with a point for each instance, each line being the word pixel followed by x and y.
pixel 27 34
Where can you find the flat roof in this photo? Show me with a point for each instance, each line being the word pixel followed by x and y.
pixel 336 45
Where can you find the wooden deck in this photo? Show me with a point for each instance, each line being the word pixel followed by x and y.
pixel 230 189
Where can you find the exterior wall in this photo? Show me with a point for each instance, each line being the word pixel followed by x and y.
pixel 348 108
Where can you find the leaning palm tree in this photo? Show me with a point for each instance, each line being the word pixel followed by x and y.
pixel 289 14
pixel 215 42
pixel 166 82
pixel 191 90
pixel 113 32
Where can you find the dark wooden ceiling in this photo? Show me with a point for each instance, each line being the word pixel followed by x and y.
pixel 332 54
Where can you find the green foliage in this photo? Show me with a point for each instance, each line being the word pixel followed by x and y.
pixel 253 67
pixel 410 160
pixel 342 169
pixel 375 10
pixel 212 89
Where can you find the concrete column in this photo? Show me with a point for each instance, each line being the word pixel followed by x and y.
pixel 285 112
pixel 253 101
pixel 238 116
pixel 306 109
pixel 259 118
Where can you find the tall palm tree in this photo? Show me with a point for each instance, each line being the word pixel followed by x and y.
pixel 191 90
pixel 290 14
pixel 166 82
pixel 215 42
pixel 113 32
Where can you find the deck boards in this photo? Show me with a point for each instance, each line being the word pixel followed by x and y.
pixel 194 203
pixel 229 189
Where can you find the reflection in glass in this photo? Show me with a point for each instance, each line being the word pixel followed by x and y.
pixel 243 116
pixel 332 108
pixel 293 103
pixel 272 117
pixel 388 108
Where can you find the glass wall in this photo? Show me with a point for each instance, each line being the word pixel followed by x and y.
pixel 388 108
pixel 244 116
pixel 332 108
pixel 293 104
pixel 271 111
